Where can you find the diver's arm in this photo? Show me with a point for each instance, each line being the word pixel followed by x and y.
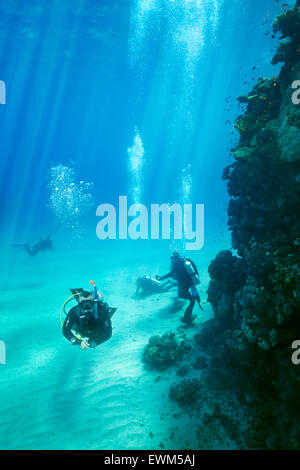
pixel 101 338
pixel 32 251
pixel 102 335
pixel 166 286
pixel 166 276
pixel 69 322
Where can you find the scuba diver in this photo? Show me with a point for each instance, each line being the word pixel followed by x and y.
pixel 147 285
pixel 88 324
pixel 185 272
pixel 43 244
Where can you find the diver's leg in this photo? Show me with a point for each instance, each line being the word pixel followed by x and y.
pixel 188 313
pixel 184 293
pixel 200 306
pixel 18 245
pixel 197 299
pixel 195 294
pixel 31 251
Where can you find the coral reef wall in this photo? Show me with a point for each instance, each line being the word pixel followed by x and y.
pixel 255 292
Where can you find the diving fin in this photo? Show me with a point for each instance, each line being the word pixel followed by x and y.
pixel 112 311
pixel 77 293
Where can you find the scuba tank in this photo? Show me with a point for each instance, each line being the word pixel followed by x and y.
pixel 98 297
pixel 191 272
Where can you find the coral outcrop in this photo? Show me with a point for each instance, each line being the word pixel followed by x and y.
pixel 185 392
pixel 163 351
pixel 255 292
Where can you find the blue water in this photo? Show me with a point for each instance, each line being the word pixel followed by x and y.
pixel 107 98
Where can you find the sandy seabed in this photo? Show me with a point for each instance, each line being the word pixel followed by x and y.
pixel 55 396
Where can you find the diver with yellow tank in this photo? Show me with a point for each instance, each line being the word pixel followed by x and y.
pixel 88 323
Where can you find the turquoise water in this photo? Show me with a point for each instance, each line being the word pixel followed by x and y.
pixel 110 98
pixel 55 396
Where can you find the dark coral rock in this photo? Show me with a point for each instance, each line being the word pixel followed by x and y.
pixel 226 264
pixel 185 392
pixel 256 296
pixel 247 126
pixel 227 172
pixel 288 23
pixel 284 50
pixel 164 351
pixel 200 362
pixel 183 370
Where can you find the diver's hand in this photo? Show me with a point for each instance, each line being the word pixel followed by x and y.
pixel 84 345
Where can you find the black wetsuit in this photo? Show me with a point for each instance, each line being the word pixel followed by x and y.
pixel 185 282
pixel 45 244
pixel 147 286
pixel 97 330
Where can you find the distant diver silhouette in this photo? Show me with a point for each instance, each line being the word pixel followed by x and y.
pixel 43 244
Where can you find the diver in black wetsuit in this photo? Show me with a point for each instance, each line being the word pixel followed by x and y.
pixel 88 324
pixel 147 285
pixel 43 244
pixel 186 281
